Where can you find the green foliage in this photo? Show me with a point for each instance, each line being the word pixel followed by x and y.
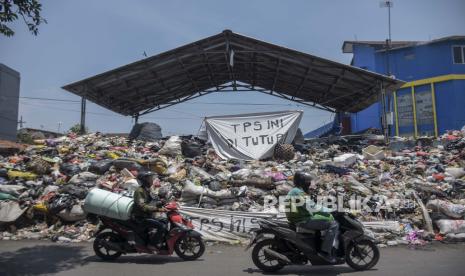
pixel 28 10
pixel 25 138
pixel 77 129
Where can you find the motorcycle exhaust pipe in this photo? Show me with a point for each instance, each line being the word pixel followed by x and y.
pixel 277 255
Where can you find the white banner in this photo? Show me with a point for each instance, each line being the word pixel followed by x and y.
pixel 221 225
pixel 235 226
pixel 251 136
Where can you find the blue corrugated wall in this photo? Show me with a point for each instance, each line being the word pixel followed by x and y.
pixel 414 63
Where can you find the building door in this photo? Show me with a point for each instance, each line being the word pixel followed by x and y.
pixel 424 111
pixel 405 112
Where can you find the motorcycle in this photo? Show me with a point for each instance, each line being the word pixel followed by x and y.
pixel 277 244
pixel 111 239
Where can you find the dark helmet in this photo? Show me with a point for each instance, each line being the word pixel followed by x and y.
pixel 302 180
pixel 146 178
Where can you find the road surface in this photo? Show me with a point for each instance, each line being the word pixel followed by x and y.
pixel 47 258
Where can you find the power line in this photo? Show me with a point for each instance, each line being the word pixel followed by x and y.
pixel 42 99
pixel 237 103
pixel 110 115
pixel 50 99
pixel 206 103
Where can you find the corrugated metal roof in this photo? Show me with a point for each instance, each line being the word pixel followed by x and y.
pixel 232 62
pixel 347 46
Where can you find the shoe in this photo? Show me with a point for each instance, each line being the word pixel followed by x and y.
pixel 152 248
pixel 330 259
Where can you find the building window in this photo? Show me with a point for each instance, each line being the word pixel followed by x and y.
pixel 458 53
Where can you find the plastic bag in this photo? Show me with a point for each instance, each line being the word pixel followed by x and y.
pixel 191 149
pixel 100 167
pixel 178 176
pixel 200 172
pixel 447 226
pixel 75 213
pixel 73 190
pixel 83 177
pixel 157 165
pixel 126 164
pixel 447 208
pixel 70 169
pixel 41 207
pixel 241 174
pixel 24 175
pixel 172 147
pixel 455 172
pixel 345 160
pixel 5 196
pixel 59 202
pixel 14 190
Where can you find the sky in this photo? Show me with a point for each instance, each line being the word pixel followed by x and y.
pixel 86 37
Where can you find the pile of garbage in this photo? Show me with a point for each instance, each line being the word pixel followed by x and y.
pixel 417 185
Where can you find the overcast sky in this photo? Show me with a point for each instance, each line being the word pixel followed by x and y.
pixel 85 37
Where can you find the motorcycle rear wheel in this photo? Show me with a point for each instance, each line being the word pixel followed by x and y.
pixel 189 248
pixel 261 261
pixel 362 255
pixel 101 251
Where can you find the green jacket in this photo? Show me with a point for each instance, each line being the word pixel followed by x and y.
pixel 142 208
pixel 297 213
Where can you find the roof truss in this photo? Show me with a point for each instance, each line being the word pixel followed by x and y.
pixel 229 62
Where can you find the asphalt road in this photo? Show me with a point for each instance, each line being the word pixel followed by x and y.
pixel 46 258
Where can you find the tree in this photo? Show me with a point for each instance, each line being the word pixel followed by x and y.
pixel 28 10
pixel 77 129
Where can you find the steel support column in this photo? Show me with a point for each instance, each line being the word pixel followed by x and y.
pixel 384 124
pixel 82 129
pixel 136 118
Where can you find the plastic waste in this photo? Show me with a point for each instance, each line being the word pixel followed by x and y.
pixel 373 152
pixel 172 147
pixel 345 160
pixel 447 226
pixel 449 209
pixel 24 175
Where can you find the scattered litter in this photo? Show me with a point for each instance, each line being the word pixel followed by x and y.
pixel 418 185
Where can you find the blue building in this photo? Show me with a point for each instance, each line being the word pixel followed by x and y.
pixel 433 99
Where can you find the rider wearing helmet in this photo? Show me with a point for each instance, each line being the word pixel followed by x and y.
pixel 145 206
pixel 299 215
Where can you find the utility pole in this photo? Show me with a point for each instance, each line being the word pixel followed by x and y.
pixel 387 4
pixel 21 122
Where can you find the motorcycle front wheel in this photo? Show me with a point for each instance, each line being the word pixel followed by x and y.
pixel 362 255
pixel 189 248
pixel 102 250
pixel 260 259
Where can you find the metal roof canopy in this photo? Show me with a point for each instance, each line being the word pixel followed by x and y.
pixel 229 62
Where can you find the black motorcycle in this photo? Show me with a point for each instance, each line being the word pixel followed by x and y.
pixel 278 244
